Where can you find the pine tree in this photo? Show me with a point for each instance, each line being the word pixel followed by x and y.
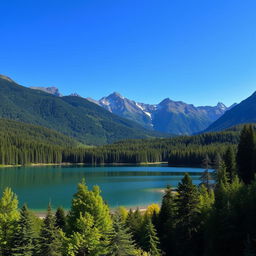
pixel 91 202
pixel 246 155
pixel 24 238
pixel 230 162
pixel 49 243
pixel 151 241
pixel 134 222
pixel 86 240
pixel 60 218
pixel 187 202
pixel 166 221
pixel 121 242
pixel 9 216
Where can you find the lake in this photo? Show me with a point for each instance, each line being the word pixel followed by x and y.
pixel 120 185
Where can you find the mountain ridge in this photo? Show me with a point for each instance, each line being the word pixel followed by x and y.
pixel 168 116
pixel 71 115
pixel 242 113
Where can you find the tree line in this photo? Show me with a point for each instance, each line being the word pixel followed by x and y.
pixel 26 144
pixel 215 218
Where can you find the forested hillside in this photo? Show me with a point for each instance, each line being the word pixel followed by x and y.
pixel 73 116
pixel 24 144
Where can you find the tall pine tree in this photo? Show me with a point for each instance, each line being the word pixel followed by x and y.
pixel 187 203
pixel 50 242
pixel 121 242
pixel 166 222
pixel 9 216
pixel 246 155
pixel 24 238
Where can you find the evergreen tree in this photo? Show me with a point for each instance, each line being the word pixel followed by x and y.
pixel 230 162
pixel 24 237
pixel 50 242
pixel 60 218
pixel 9 216
pixel 151 241
pixel 122 211
pixel 86 240
pixel 206 175
pixel 187 202
pixel 166 222
pixel 121 242
pixel 246 155
pixel 91 202
pixel 134 222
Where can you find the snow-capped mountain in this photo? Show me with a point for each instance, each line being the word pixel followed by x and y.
pixel 174 117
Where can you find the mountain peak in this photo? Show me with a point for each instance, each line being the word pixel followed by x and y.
pixel 115 95
pixel 221 105
pixel 165 101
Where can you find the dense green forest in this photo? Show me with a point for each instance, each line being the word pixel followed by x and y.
pixel 24 144
pixel 213 218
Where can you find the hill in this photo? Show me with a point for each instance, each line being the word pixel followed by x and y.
pixel 73 116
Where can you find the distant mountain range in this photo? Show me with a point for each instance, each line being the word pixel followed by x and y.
pixel 71 115
pixel 171 117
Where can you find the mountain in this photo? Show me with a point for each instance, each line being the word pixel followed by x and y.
pixel 242 113
pixel 173 117
pixel 73 116
pixel 51 90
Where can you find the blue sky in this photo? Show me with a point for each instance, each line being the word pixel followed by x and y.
pixel 200 51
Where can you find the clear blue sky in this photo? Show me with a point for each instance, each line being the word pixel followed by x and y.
pixel 197 51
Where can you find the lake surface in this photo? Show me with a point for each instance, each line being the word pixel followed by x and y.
pixel 120 185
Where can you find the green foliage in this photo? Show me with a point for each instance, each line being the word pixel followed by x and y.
pixel 121 242
pixel 24 239
pixel 88 208
pixel 50 242
pixel 187 205
pixel 166 221
pixel 86 240
pixel 135 223
pixel 9 216
pixel 151 240
pixel 230 163
pixel 91 202
pixel 60 217
pixel 246 155
pixel 24 144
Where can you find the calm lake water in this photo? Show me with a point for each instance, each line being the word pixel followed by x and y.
pixel 120 185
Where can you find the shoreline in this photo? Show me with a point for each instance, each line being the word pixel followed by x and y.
pixel 81 164
pixel 164 164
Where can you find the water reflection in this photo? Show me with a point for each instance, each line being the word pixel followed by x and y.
pixel 122 185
